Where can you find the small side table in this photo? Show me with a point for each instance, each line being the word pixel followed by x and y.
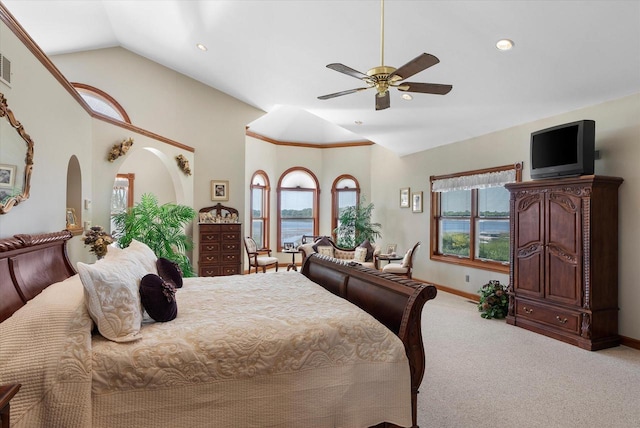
pixel 388 257
pixel 292 265
pixel 6 394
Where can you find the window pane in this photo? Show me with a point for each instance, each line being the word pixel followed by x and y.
pixel 256 201
pixel 493 202
pixel 456 203
pixel 346 199
pixel 293 229
pixel 296 204
pixel 454 237
pixel 257 228
pixel 492 240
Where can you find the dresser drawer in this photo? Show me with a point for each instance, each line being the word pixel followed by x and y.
pixel 213 247
pixel 210 258
pixel 209 271
pixel 230 270
pixel 210 237
pixel 231 236
pixel 230 258
pixel 231 247
pixel 557 317
pixel 230 227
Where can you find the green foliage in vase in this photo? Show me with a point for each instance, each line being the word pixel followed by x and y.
pixel 161 227
pixel 355 225
pixel 494 301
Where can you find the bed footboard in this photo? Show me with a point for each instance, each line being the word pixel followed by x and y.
pixel 395 301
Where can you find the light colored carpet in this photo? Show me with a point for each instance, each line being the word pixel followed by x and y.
pixel 485 373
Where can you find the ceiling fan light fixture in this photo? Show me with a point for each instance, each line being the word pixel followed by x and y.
pixel 504 44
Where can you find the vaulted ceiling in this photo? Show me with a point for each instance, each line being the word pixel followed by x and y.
pixel 273 56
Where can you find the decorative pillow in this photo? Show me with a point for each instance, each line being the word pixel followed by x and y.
pixel 360 255
pixel 367 245
pixel 169 271
pixel 143 254
pixel 111 292
pixel 158 298
pixel 406 259
pixel 325 250
pixel 322 242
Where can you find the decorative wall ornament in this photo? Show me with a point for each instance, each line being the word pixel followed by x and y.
pixel 120 149
pixel 183 163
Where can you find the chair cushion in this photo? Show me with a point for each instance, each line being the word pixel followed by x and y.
pixel 250 244
pixel 264 260
pixel 395 268
pixel 407 259
pixel 325 250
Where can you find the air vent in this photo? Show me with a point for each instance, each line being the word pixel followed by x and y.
pixel 5 70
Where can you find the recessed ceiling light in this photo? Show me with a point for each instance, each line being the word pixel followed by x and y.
pixel 202 47
pixel 407 97
pixel 358 122
pixel 504 44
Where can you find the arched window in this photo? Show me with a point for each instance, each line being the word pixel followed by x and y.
pixel 260 209
pixel 101 102
pixel 298 191
pixel 345 192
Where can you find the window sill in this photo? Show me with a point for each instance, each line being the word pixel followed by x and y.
pixel 477 264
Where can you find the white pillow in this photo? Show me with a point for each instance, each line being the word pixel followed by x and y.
pixel 406 259
pixel 140 252
pixel 112 296
pixel 325 250
pixel 360 255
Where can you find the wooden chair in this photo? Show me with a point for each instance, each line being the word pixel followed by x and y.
pixel 406 267
pixel 259 257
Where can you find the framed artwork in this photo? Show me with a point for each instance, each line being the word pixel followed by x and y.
pixel 416 202
pixel 7 175
pixel 219 190
pixel 391 249
pixel 72 220
pixel 404 197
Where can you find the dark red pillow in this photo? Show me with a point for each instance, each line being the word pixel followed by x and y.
pixel 158 298
pixel 169 271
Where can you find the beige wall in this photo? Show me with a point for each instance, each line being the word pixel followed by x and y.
pixel 617 138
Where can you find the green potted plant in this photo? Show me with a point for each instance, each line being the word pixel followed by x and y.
pixel 161 227
pixel 494 301
pixel 355 225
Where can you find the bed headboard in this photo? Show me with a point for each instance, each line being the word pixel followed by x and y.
pixel 28 265
pixel 393 300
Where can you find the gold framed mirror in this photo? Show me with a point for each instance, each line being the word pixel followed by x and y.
pixel 15 165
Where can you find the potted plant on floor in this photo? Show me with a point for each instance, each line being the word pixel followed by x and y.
pixel 161 227
pixel 494 301
pixel 355 225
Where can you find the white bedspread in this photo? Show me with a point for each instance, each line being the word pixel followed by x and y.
pixel 254 350
pixel 266 350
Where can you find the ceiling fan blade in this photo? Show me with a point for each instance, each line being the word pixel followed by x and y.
pixel 347 70
pixel 425 88
pixel 339 94
pixel 416 65
pixel 383 101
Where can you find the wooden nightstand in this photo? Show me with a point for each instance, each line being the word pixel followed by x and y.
pixel 6 394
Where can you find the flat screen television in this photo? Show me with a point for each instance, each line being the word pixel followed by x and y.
pixel 563 150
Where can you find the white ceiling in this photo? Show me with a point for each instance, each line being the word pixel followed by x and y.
pixel 272 55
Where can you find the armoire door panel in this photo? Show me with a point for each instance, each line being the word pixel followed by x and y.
pixel 528 269
pixel 563 278
pixel 563 222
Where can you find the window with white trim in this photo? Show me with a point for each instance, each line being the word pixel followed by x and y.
pixel 260 209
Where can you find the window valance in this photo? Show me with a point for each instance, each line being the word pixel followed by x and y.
pixel 474 181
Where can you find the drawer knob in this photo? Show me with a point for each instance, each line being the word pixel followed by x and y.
pixel 561 320
pixel 527 310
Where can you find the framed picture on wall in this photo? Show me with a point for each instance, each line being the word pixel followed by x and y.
pixel 219 190
pixel 7 175
pixel 404 197
pixel 416 202
pixel 72 220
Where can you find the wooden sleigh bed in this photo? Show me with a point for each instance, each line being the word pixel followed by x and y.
pixel 30 264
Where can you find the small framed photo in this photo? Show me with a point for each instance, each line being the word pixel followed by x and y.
pixel 391 249
pixel 416 202
pixel 219 190
pixel 7 175
pixel 287 246
pixel 404 197
pixel 72 220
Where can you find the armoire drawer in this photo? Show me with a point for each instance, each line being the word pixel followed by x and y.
pixel 557 317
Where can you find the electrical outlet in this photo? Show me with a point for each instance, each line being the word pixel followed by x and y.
pixel 466 278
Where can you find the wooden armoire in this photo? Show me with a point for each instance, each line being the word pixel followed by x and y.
pixel 220 235
pixel 564 259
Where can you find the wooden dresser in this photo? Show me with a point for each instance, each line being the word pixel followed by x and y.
pixel 564 259
pixel 220 248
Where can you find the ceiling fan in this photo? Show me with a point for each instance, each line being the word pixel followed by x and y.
pixel 384 77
